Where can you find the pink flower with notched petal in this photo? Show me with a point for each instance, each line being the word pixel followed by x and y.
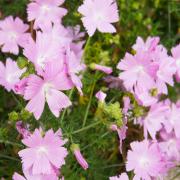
pixel 101 96
pixel 122 176
pixel 138 70
pixel 29 176
pixel 155 118
pixel 74 66
pixel 145 159
pixel 40 52
pixel 10 74
pixel 148 46
pixel 43 154
pixel 39 90
pixel 176 55
pixel 99 14
pixel 45 12
pixel 13 34
pixel 172 122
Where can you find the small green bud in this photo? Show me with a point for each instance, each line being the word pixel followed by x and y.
pixel 22 62
pixel 154 92
pixel 24 114
pixel 13 116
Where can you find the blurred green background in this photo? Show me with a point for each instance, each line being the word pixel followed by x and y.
pixel 99 146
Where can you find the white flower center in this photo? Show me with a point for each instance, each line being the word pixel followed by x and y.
pixel 12 36
pixel 47 88
pixel 42 150
pixel 139 69
pixel 98 17
pixel 11 78
pixel 178 63
pixel 144 162
pixel 45 9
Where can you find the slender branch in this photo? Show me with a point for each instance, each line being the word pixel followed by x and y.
pixel 9 157
pixel 11 143
pixel 86 128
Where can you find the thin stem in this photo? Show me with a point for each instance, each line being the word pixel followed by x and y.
pixel 64 112
pixel 86 46
pixel 17 100
pixel 89 104
pixel 9 157
pixel 86 128
pixel 11 143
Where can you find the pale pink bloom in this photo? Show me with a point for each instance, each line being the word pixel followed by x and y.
pixel 39 90
pixel 138 70
pixel 79 157
pixel 19 87
pixel 172 122
pixel 170 145
pixel 10 74
pixel 101 96
pixel 144 98
pixel 148 46
pixel 74 66
pixel 154 120
pixel 127 104
pixel 176 55
pixel 122 176
pixel 105 69
pixel 40 52
pixel 13 34
pixel 165 73
pixel 121 133
pixel 22 129
pixel 99 14
pixel 145 159
pixel 45 12
pixel 29 176
pixel 43 154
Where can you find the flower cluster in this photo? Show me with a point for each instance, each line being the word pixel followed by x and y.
pixel 50 62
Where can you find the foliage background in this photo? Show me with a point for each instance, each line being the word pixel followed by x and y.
pixel 99 145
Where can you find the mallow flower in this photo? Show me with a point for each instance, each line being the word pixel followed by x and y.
pixel 10 74
pixel 44 153
pixel 145 159
pixel 46 88
pixel 176 55
pixel 45 12
pixel 13 34
pixel 122 176
pixel 99 14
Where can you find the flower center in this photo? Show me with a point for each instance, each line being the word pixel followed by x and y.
pixel 144 162
pixel 178 63
pixel 12 36
pixel 45 9
pixel 42 150
pixel 41 61
pixel 47 88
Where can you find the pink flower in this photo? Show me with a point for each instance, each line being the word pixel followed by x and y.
pixel 127 104
pixel 43 153
pixel 148 46
pixel 137 70
pixel 154 120
pixel 176 55
pixel 170 145
pixel 122 176
pixel 22 129
pixel 29 176
pixel 79 156
pixel 10 74
pixel 145 159
pixel 19 87
pixel 12 34
pixel 39 90
pixel 45 12
pixel 121 133
pixel 74 66
pixel 99 14
pixel 165 73
pixel 40 53
pixel 105 69
pixel 172 122
pixel 101 96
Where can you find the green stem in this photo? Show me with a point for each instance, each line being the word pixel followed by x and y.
pixel 9 157
pixel 86 46
pixel 64 112
pixel 11 143
pixel 86 128
pixel 89 104
pixel 17 100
